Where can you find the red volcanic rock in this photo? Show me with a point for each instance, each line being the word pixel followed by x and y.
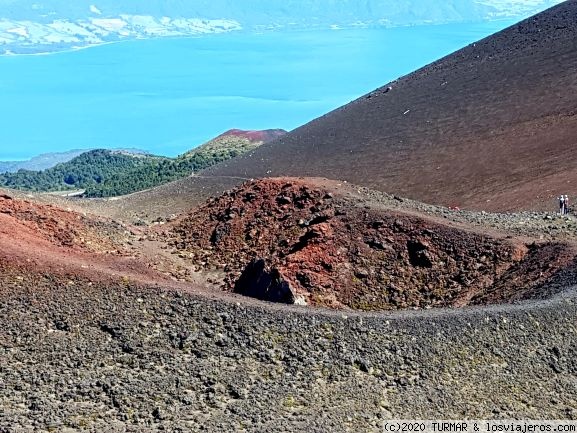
pixel 255 136
pixel 291 240
pixel 51 223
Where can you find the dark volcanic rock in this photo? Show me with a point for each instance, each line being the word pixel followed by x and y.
pixel 265 284
pixel 418 254
pixel 186 363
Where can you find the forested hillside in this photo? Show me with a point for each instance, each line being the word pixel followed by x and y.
pixel 154 173
pixel 108 173
pixel 229 145
pixel 88 169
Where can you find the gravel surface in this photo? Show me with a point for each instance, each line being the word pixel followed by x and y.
pixel 539 225
pixel 122 358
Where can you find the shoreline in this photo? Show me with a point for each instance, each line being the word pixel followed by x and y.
pixel 104 43
pixel 67 50
pixel 257 31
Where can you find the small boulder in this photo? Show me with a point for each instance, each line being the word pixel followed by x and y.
pixel 419 255
pixel 264 283
pixel 283 200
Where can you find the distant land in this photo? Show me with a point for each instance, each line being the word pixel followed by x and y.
pixel 48 160
pixel 40 162
pixel 158 171
pixel 30 26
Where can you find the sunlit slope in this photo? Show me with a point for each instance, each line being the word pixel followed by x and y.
pixel 491 126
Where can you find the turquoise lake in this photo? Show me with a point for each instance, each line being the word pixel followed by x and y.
pixel 169 95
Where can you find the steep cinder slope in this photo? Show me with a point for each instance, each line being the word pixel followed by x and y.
pixel 491 126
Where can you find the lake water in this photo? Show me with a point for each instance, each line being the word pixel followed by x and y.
pixel 169 95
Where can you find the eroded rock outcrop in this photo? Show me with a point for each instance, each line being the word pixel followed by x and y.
pixel 267 284
pixel 329 248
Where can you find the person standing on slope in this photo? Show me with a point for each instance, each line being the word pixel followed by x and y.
pixel 561 205
pixel 566 204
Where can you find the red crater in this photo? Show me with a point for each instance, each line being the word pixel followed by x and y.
pixel 312 241
pixel 255 136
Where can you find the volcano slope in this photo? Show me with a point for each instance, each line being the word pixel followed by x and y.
pixel 95 339
pixel 489 127
pixel 155 204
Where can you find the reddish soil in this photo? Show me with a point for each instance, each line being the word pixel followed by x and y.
pixel 52 224
pixel 43 239
pixel 300 241
pixel 490 127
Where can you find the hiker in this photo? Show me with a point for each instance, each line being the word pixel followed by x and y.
pixel 561 204
pixel 566 204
